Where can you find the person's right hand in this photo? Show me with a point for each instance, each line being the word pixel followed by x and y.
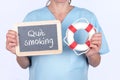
pixel 11 41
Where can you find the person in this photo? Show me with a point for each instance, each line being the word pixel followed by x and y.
pixel 67 65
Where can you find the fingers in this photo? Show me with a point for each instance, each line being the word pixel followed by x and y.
pixel 97 36
pixel 96 40
pixel 95 46
pixel 11 40
pixel 11 34
pixel 11 47
pixel 11 37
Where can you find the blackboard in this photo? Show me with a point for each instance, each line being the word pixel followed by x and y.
pixel 39 38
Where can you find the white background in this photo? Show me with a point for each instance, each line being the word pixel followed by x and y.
pixel 108 15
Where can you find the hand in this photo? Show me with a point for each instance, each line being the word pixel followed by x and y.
pixel 11 41
pixel 95 44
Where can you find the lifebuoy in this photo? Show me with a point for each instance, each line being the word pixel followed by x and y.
pixel 70 36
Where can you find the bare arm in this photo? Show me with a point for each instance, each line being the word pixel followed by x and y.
pixel 94 60
pixel 11 43
pixel 93 55
pixel 24 62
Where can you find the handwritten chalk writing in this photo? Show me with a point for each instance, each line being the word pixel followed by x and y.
pixel 39 41
pixel 32 33
pixel 42 41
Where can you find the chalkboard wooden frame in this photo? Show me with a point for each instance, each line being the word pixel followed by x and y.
pixel 42 52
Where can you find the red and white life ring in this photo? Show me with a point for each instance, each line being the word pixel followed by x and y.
pixel 70 36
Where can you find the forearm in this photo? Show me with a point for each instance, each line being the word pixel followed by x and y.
pixel 24 62
pixel 94 59
pixel 11 43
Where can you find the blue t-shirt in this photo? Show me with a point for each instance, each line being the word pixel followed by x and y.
pixel 67 65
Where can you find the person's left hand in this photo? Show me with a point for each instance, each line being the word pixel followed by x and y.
pixel 95 44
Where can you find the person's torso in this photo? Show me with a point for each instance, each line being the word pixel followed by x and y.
pixel 64 66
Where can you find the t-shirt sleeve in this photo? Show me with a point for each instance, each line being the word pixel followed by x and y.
pixel 29 17
pixel 104 47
